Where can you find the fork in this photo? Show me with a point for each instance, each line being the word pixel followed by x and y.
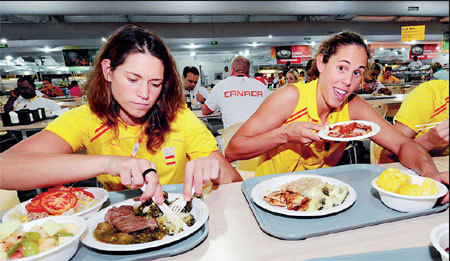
pixel 166 210
pixel 178 205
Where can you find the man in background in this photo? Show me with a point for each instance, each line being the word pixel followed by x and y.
pixel 415 64
pixel 387 77
pixel 196 94
pixel 237 97
pixel 49 90
pixel 25 97
pixel 225 73
pixel 279 80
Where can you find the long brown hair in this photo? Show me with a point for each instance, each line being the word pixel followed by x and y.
pixel 330 46
pixel 124 41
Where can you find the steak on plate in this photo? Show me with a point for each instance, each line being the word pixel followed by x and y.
pixel 124 219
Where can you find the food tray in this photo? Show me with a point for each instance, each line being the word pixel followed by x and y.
pixel 186 244
pixel 411 254
pixel 368 210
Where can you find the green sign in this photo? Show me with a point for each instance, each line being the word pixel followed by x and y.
pixel 3 46
pixel 214 42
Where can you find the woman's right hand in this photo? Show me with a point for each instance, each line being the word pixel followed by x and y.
pixel 131 172
pixel 303 132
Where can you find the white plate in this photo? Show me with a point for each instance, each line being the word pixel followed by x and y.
pixel 64 251
pixel 375 129
pixel 273 184
pixel 199 210
pixel 101 195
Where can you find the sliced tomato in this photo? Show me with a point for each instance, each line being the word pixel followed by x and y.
pixel 34 206
pixel 39 196
pixel 58 202
pixel 60 188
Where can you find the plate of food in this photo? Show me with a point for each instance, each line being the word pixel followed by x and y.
pixel 350 130
pixel 130 225
pixel 59 201
pixel 303 195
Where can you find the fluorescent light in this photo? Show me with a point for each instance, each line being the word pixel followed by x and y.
pixel 381 48
pixel 103 39
pixel 193 53
pixel 192 46
pixel 3 40
pixel 254 44
pixel 270 36
pixel 9 58
pixel 47 49
pixel 313 43
pixel 413 42
pixel 246 51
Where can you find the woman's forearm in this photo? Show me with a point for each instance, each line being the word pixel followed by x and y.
pixel 245 147
pixel 22 171
pixel 413 156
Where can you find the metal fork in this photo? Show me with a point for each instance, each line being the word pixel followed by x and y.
pixel 166 210
pixel 178 205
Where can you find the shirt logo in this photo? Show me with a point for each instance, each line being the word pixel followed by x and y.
pixel 228 94
pixel 169 155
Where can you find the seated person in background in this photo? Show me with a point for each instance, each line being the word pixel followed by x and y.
pixel 260 77
pixel 415 64
pixel 135 128
pixel 301 76
pixel 25 97
pixel 284 129
pixel 198 94
pixel 370 83
pixel 292 76
pixel 426 104
pixel 49 90
pixel 279 80
pixel 438 73
pixel 387 77
pixel 75 90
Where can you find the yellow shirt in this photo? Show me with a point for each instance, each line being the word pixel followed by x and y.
pixel 290 157
pixel 427 103
pixel 391 80
pixel 188 140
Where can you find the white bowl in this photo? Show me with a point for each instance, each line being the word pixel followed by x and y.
pixel 61 252
pixel 439 237
pixel 405 203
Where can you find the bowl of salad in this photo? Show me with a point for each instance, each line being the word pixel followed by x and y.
pixel 51 238
pixel 59 201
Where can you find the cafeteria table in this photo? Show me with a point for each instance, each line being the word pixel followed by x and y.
pixel 234 233
pixel 37 126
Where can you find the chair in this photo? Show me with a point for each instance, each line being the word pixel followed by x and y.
pixel 381 110
pixel 246 168
pixel 375 152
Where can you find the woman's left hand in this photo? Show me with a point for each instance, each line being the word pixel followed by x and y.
pixel 199 172
pixel 442 177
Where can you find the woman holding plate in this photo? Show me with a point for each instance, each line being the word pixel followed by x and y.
pixel 289 141
pixel 136 129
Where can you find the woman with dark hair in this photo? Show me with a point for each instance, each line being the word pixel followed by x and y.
pixel 74 89
pixel 136 129
pixel 288 141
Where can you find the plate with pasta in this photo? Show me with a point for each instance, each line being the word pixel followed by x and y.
pixel 350 130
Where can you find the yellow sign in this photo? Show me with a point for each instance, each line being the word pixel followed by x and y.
pixel 410 33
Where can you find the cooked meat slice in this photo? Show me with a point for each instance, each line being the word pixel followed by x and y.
pixel 295 201
pixel 276 198
pixel 124 219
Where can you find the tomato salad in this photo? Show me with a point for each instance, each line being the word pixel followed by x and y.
pixel 59 200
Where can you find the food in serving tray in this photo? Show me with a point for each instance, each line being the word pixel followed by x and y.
pixel 18 243
pixel 395 181
pixel 307 194
pixel 58 200
pixel 349 130
pixel 141 223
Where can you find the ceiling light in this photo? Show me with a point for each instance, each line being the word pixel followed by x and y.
pixel 247 52
pixel 3 40
pixel 47 49
pixel 193 53
pixel 381 48
pixel 192 46
pixel 241 53
pixel 103 39
pixel 403 49
pixel 270 36
pixel 437 47
pixel 313 43
pixel 413 42
pixel 254 44
pixel 9 58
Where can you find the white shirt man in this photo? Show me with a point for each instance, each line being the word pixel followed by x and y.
pixel 415 64
pixel 196 94
pixel 198 90
pixel 225 73
pixel 35 103
pixel 237 98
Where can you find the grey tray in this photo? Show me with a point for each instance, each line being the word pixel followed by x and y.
pixel 86 253
pixel 424 253
pixel 368 210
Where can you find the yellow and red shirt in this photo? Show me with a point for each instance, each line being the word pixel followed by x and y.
pixel 293 157
pixel 189 139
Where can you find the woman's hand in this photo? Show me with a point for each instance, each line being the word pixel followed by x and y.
pixel 131 172
pixel 199 172
pixel 303 132
pixel 442 177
